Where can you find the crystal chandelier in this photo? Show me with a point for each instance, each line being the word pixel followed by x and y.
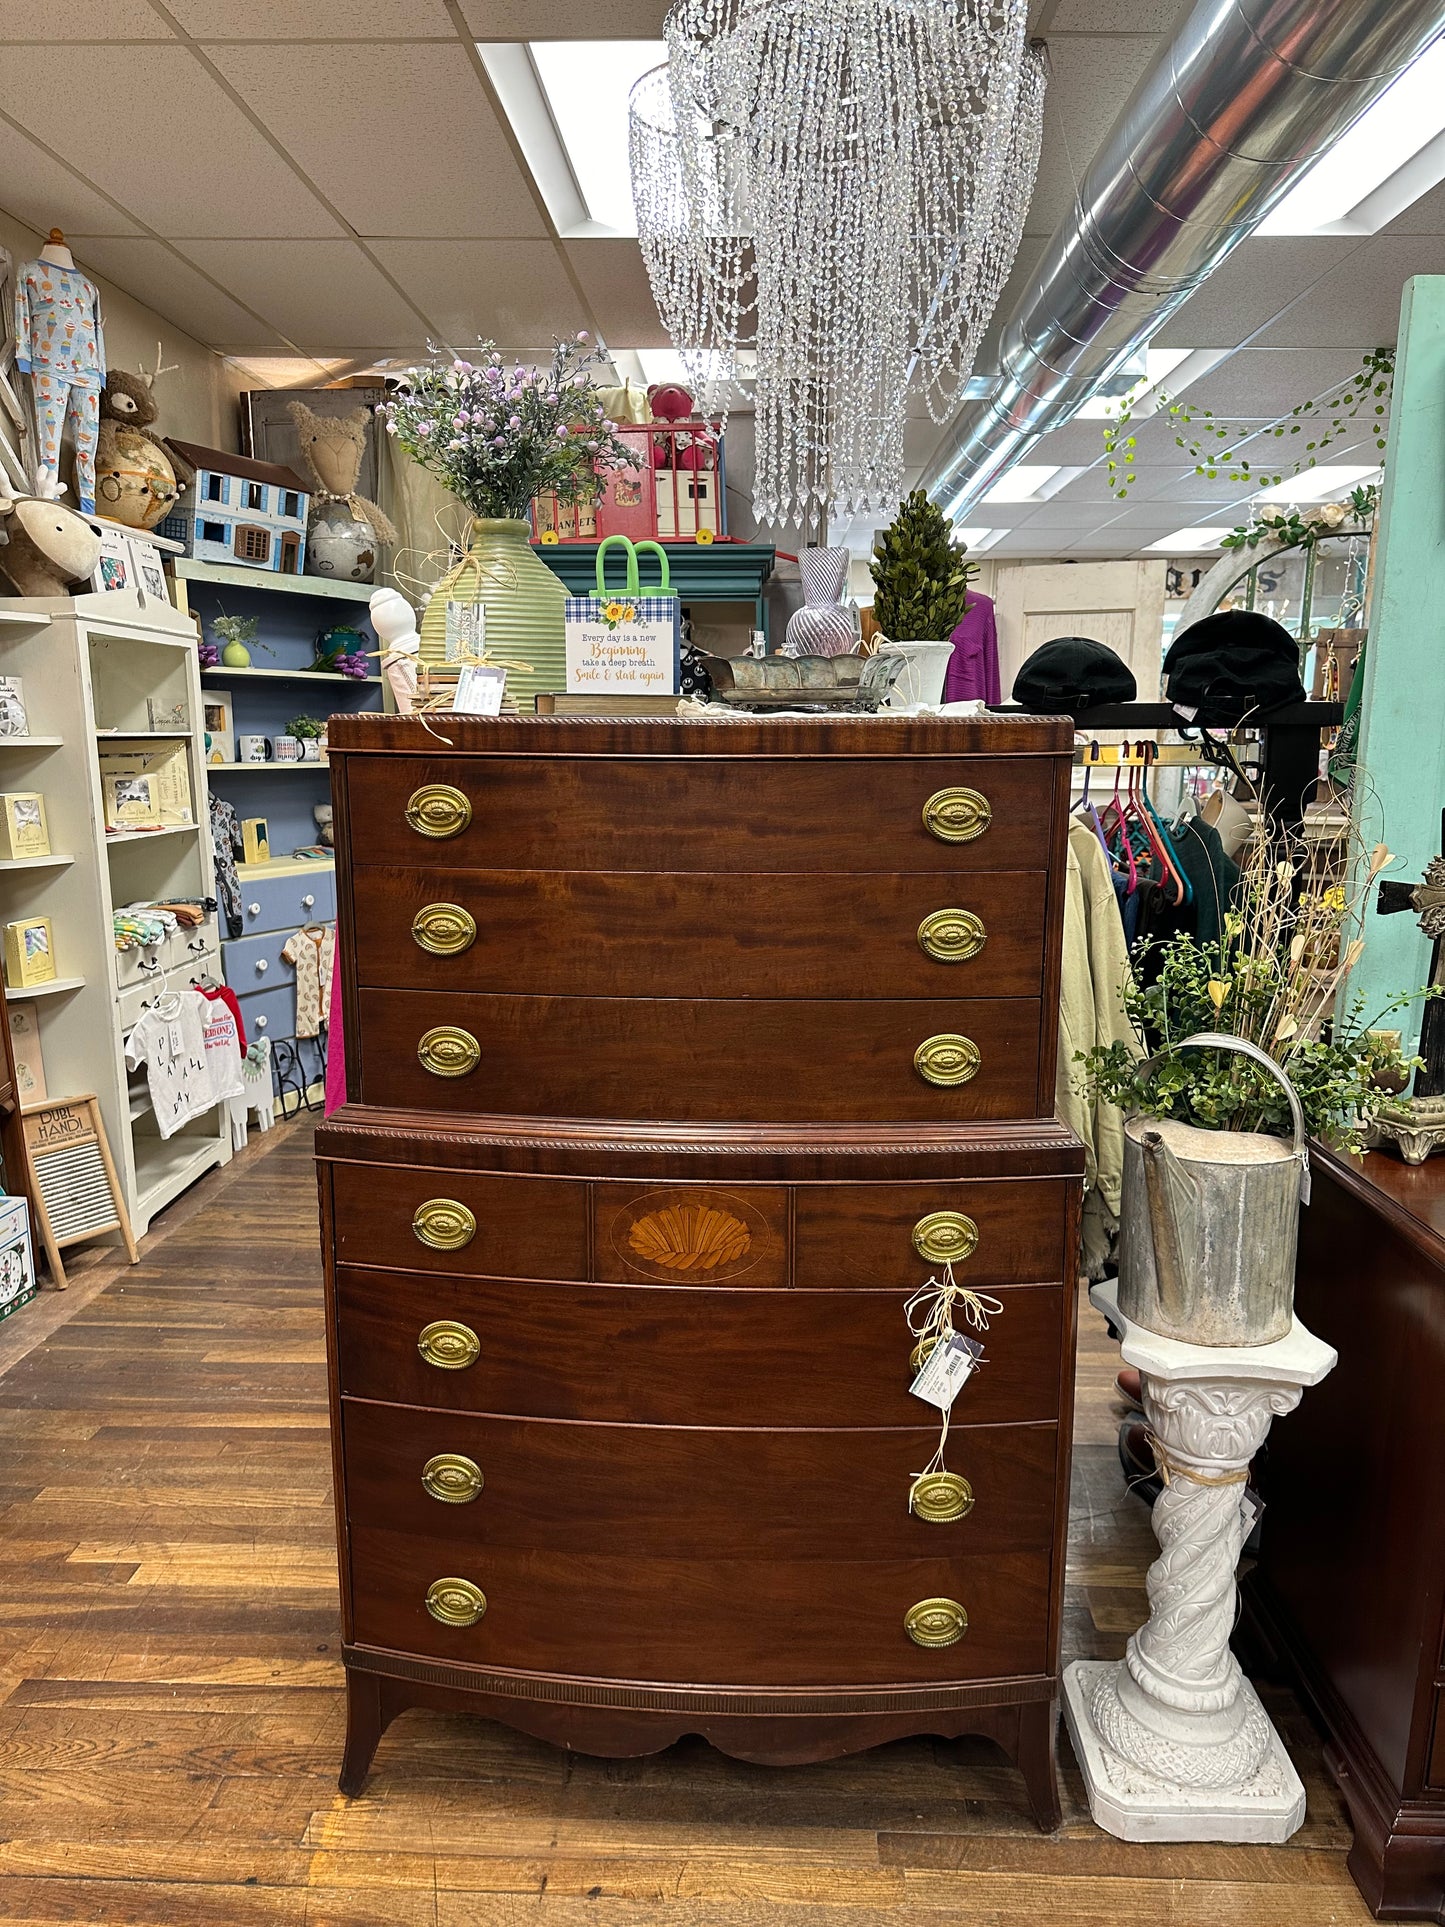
pixel 839 187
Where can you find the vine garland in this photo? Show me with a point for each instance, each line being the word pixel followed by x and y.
pixel 1198 429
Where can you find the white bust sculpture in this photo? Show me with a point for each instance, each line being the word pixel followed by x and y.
pixel 394 620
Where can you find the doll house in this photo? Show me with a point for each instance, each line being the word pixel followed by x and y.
pixel 239 510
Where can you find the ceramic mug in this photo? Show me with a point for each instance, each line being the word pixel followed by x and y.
pixel 311 749
pixel 288 749
pixel 255 749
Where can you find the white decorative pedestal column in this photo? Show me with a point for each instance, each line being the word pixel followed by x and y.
pixel 1172 1739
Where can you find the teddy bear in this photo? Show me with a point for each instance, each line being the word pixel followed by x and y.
pixel 135 473
pixel 345 529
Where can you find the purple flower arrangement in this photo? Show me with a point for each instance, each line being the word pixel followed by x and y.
pixel 497 436
pixel 353 665
pixel 209 652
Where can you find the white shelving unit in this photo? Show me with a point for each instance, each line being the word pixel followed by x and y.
pixel 89 663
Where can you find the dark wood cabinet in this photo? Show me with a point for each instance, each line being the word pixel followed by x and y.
pixel 680 1056
pixel 1349 1590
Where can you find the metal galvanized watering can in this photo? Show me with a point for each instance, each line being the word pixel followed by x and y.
pixel 1209 1222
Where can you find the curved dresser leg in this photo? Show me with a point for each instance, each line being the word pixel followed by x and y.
pixel 364 1725
pixel 1036 1760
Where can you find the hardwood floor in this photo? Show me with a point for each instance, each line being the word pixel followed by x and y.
pixel 170 1699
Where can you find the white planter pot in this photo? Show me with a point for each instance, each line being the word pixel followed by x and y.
pixel 920 680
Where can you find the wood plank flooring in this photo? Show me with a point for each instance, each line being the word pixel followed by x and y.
pixel 170 1706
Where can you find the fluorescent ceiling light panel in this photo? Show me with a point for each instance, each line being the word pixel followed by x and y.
pixel 1326 483
pixel 586 84
pixel 1187 542
pixel 977 540
pixel 1394 153
pixel 665 364
pixel 1026 483
pixel 1159 363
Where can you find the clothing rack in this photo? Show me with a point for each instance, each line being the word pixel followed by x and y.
pixel 1289 745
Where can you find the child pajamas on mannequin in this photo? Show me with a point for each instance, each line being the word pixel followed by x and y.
pixel 59 344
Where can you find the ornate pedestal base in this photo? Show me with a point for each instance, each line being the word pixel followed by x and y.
pixel 1133 1804
pixel 1172 1740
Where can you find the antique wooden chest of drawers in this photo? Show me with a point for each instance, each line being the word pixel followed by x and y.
pixel 681 1055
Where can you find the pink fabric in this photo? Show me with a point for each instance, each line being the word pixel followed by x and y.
pixel 335 1050
pixel 973 668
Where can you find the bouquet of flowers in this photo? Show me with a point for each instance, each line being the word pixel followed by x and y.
pixel 498 436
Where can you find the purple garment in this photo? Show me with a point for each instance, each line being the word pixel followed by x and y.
pixel 973 667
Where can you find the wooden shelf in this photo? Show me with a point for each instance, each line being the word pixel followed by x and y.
pixel 293 675
pixel 53 989
pixel 56 862
pixel 165 1166
pixel 141 735
pixel 112 837
pixel 32 742
pixel 230 769
pixel 233 576
pixel 24 618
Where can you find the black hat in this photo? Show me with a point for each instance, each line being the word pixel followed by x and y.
pixel 1230 664
pixel 1071 674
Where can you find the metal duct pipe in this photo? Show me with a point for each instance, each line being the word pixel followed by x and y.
pixel 1245 100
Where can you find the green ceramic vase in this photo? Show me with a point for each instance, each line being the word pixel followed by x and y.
pixel 524 602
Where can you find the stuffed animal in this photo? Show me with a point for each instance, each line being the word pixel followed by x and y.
pixel 136 474
pixel 46 547
pixel 325 828
pixel 345 529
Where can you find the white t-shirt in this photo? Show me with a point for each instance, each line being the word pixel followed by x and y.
pixel 169 1039
pixel 223 1048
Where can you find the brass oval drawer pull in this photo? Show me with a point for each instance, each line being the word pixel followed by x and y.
pixel 436 809
pixel 447 1051
pixel 940 1498
pixel 957 815
pixel 449 1346
pixel 452 1477
pixel 444 929
pixel 946 1060
pixel 455 1602
pixel 920 1354
pixel 935 1622
pixel 951 936
pixel 445 1225
pixel 945 1237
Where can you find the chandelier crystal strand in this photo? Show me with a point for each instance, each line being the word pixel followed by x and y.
pixel 838 186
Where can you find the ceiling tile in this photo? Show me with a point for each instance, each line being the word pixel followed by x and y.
pixel 1251 286
pixel 1269 381
pixel 1115 16
pixel 188 163
pixel 341 20
pixel 516 293
pixel 43 193
pixel 1359 302
pixel 321 295
pixel 601 20
pixel 152 273
pixel 93 20
pixel 615 283
pixel 459 179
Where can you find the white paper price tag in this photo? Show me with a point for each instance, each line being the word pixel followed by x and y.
pixel 479 690
pixel 946 1370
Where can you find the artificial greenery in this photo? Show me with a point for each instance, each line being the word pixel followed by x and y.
pixel 240 629
pixel 306 727
pixel 1274 978
pixel 1290 526
pixel 920 577
pixel 1199 431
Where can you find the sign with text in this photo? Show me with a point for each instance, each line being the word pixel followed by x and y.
pixel 622 645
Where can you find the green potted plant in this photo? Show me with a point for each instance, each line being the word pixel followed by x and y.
pixel 920 581
pixel 237 634
pixel 497 438
pixel 1243 1042
pixel 308 733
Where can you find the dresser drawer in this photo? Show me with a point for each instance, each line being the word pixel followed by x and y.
pixel 746 1060
pixel 857 1236
pixel 422 1220
pixel 680 1354
pixel 682 934
pixel 702 1621
pixel 187 951
pixel 302 894
pixel 711 813
pixel 689 1493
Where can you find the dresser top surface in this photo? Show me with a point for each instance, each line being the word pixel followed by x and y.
pixel 445 734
